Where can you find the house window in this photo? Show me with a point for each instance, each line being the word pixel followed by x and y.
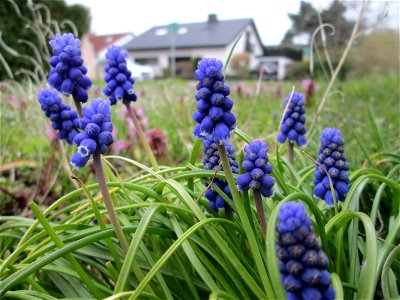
pixel 249 47
pixel 184 66
pixel 150 61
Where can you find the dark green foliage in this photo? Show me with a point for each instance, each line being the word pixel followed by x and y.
pixel 300 69
pixel 306 21
pixel 16 26
pixel 335 15
pixel 289 52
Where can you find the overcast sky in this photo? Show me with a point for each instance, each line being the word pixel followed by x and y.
pixel 270 16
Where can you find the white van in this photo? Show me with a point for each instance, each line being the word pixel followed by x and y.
pixel 140 72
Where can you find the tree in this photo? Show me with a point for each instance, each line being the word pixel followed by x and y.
pixel 335 15
pixel 306 22
pixel 27 26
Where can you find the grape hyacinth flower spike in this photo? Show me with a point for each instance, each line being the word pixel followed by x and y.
pixel 211 161
pixel 94 140
pixel 302 262
pixel 294 118
pixel 67 72
pixel 214 117
pixel 96 135
pixel 257 176
pixel 119 79
pixel 63 117
pixel 213 113
pixel 120 87
pixel 332 158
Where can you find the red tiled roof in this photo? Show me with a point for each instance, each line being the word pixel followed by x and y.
pixel 100 42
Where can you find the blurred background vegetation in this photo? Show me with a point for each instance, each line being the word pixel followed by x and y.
pixel 375 51
pixel 18 28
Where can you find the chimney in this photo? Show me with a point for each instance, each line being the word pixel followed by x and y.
pixel 212 19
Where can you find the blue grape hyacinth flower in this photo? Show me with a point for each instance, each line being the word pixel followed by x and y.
pixel 257 170
pixel 63 117
pixel 331 156
pixel 97 132
pixel 67 72
pixel 213 113
pixel 302 262
pixel 119 79
pixel 211 161
pixel 293 121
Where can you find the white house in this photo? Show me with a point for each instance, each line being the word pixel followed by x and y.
pixel 187 42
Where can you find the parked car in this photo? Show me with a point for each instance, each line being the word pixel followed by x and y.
pixel 269 71
pixel 140 72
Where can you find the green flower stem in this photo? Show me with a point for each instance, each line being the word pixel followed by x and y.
pixel 246 223
pixel 260 212
pixel 291 152
pixel 59 243
pixel 142 138
pixel 98 168
pixel 100 221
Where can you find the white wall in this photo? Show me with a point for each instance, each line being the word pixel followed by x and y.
pixel 163 55
pixel 220 53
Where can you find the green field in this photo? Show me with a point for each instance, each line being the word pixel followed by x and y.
pixel 169 105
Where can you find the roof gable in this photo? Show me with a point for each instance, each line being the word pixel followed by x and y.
pixel 191 35
pixel 101 42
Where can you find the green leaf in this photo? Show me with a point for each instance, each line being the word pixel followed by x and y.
pixel 231 52
pixel 244 136
pixel 195 261
pixel 385 273
pixel 376 131
pixel 129 262
pixel 37 265
pixel 368 278
pixel 337 285
pixel 170 251
pixel 272 262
